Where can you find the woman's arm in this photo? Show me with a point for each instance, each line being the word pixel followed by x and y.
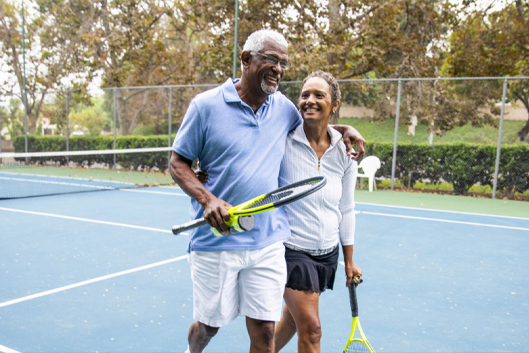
pixel 352 270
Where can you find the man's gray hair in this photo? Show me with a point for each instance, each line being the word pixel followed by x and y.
pixel 255 41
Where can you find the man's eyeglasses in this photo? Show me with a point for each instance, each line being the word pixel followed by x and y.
pixel 273 60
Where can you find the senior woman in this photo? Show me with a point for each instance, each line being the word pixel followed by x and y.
pixel 320 221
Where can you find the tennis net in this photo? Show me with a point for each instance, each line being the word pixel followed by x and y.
pixel 50 173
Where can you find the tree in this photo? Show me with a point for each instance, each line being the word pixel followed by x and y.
pixel 50 57
pixel 494 44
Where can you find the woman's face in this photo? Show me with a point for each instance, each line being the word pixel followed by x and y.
pixel 315 101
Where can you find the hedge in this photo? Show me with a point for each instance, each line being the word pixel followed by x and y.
pixel 463 165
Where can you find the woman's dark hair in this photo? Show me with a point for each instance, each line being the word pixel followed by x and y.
pixel 336 94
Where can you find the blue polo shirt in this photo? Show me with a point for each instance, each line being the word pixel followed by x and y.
pixel 241 152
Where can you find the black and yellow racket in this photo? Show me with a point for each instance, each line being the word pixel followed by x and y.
pixel 356 345
pixel 263 203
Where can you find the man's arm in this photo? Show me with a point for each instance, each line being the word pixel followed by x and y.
pixel 215 210
pixel 351 136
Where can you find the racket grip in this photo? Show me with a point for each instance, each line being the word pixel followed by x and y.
pixel 352 298
pixel 189 225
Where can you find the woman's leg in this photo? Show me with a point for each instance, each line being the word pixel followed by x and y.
pixel 304 309
pixel 285 330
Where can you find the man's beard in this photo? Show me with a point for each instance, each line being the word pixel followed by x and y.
pixel 268 89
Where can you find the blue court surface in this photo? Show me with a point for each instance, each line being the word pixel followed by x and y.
pixel 102 272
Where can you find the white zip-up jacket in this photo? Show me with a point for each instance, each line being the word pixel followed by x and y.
pixel 319 220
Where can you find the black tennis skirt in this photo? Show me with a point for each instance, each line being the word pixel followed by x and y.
pixel 311 273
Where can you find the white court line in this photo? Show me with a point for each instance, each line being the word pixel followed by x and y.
pixel 434 210
pixel 88 220
pixel 444 220
pixel 154 192
pixel 7 350
pixel 93 280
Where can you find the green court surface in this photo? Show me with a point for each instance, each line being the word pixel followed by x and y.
pixel 453 203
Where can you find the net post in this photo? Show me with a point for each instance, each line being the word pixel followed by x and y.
pixel 498 148
pixel 170 123
pixel 394 161
pixel 115 125
pixel 67 124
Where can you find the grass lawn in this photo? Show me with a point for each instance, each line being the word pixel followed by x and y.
pixel 385 132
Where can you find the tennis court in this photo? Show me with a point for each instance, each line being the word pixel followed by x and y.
pixel 102 272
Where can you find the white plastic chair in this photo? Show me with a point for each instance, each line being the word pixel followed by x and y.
pixel 369 165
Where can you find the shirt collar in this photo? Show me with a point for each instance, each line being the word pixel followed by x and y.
pixel 299 135
pixel 229 91
pixel 231 95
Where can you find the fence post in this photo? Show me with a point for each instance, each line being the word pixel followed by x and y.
pixel 498 149
pixel 25 123
pixel 115 124
pixel 67 120
pixel 394 162
pixel 170 123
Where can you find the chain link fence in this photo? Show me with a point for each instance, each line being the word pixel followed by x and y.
pixel 456 136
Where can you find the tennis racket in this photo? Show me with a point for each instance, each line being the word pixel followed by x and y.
pixel 263 203
pixel 356 345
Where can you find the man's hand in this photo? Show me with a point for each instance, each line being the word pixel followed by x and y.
pixel 351 137
pixel 216 212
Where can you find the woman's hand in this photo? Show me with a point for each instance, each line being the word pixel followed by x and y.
pixel 353 272
pixel 202 175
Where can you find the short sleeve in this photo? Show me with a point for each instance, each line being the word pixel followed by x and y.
pixel 189 139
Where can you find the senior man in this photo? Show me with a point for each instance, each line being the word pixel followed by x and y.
pixel 238 132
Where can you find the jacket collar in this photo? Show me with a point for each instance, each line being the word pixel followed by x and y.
pixel 299 135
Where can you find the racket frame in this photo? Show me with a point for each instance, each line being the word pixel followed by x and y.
pixel 356 321
pixel 241 210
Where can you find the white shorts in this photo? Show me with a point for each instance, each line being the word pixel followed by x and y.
pixel 230 283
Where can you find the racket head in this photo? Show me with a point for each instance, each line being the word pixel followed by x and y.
pixel 279 197
pixel 358 346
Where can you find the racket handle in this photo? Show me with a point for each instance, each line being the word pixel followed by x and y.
pixel 189 225
pixel 352 298
pixel 236 225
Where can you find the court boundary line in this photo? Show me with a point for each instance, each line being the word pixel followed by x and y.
pixel 5 349
pixel 87 220
pixel 90 281
pixel 444 220
pixel 434 210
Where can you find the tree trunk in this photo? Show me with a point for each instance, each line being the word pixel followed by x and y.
pixel 522 134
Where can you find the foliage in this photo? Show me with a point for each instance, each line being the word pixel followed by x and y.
pixel 494 44
pixel 462 165
pixel 158 42
pixel 50 55
pixel 13 118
